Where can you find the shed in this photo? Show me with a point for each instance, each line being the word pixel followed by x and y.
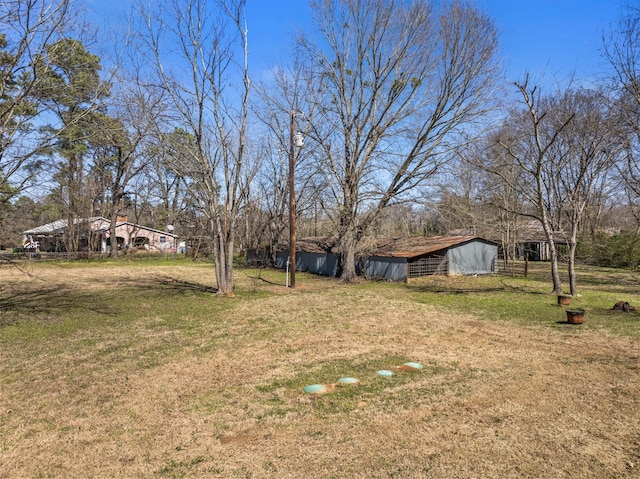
pixel 399 259
pixel 313 255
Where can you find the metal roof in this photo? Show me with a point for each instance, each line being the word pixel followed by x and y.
pixel 419 245
pixel 59 226
pixel 314 244
pixel 406 247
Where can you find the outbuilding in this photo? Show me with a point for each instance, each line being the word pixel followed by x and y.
pixel 315 255
pixel 400 259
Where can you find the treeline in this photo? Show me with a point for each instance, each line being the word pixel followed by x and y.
pixel 408 129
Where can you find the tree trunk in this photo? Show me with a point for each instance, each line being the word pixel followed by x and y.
pixel 553 252
pixel 348 245
pixel 555 272
pixel 573 242
pixel 572 269
pixel 223 256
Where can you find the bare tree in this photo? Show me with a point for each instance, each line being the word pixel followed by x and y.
pixel 26 28
pixel 583 159
pixel 398 89
pixel 526 144
pixel 499 186
pixel 562 149
pixel 206 44
pixel 622 51
pixel 285 98
pixel 121 148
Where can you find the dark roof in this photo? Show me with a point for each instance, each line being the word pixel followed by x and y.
pixel 315 244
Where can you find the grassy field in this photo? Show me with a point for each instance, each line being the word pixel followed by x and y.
pixel 136 369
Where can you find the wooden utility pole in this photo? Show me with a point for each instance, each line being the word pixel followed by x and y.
pixel 292 203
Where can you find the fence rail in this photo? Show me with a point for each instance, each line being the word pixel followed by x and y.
pixel 511 268
pixel 433 265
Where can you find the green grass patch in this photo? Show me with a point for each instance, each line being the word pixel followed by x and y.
pixel 345 398
pixel 528 300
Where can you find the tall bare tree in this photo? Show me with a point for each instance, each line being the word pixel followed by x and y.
pixel 121 146
pixel 26 28
pixel 622 51
pixel 399 86
pixel 563 148
pixel 283 100
pixel 206 44
pixel 583 158
pixel 526 143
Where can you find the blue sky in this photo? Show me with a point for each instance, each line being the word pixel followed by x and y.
pixel 552 38
pixel 548 38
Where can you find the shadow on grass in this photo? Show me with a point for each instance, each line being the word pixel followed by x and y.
pixel 264 280
pixel 176 286
pixel 49 302
pixel 32 300
pixel 459 290
pixel 46 302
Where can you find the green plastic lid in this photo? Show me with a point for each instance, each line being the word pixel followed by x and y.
pixel 414 365
pixel 347 381
pixel 315 388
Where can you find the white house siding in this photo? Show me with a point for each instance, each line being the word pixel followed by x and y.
pixel 475 257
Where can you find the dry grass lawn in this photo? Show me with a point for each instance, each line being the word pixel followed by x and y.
pixel 128 370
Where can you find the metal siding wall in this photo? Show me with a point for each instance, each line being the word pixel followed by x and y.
pixel 394 269
pixel 281 259
pixel 316 263
pixel 472 258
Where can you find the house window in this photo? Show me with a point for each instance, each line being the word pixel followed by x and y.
pixel 141 242
pixel 163 239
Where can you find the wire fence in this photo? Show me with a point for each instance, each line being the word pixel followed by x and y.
pixel 432 265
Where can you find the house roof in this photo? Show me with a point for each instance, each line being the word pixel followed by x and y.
pixel 531 231
pixel 59 226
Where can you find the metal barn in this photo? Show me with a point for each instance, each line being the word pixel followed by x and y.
pixel 313 255
pixel 401 259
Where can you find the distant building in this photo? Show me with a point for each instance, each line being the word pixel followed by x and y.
pixel 532 243
pixel 95 236
pixel 400 259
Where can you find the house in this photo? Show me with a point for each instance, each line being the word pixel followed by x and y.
pixel 94 236
pixel 399 259
pixel 532 242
